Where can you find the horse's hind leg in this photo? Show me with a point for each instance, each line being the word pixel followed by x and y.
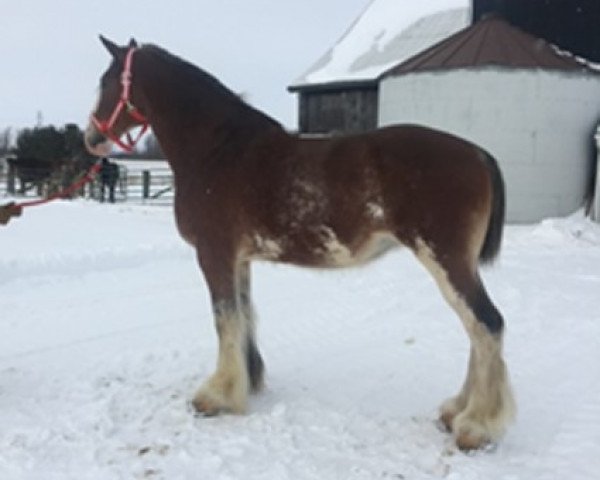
pixel 453 406
pixel 480 413
pixel 227 389
pixel 254 361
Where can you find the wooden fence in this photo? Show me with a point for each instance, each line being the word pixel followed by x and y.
pixel 143 184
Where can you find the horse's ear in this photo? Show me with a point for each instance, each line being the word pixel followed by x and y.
pixel 113 48
pixel 133 43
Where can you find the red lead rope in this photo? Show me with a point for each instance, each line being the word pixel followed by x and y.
pixel 105 127
pixel 88 177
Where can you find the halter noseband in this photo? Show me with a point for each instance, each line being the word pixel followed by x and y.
pixel 106 126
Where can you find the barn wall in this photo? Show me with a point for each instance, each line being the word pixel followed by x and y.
pixel 539 125
pixel 341 111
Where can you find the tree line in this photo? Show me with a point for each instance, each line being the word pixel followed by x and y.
pixel 53 145
pixel 43 153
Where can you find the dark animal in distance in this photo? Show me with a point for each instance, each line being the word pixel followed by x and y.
pixel 31 172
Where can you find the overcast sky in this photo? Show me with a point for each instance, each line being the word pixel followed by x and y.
pixel 51 59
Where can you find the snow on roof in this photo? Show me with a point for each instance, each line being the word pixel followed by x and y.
pixel 387 33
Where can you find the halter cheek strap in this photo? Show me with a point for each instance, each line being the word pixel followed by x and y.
pixel 106 126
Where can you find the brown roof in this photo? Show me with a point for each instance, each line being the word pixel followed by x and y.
pixel 491 41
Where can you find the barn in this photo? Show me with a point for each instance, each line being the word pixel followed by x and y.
pixel 477 75
pixel 340 92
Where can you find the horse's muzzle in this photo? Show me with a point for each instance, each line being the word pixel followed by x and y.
pixel 96 143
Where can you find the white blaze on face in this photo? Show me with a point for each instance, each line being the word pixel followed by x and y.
pixel 101 148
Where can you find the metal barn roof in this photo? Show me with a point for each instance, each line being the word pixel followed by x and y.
pixel 491 41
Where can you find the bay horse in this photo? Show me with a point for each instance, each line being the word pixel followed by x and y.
pixel 245 189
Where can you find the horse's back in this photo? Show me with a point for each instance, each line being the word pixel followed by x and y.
pixel 414 181
pixel 409 167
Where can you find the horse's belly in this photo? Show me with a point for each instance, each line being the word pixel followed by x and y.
pixel 336 254
pixel 322 248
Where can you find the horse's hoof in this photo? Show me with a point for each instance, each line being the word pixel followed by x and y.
pixel 469 441
pixel 470 435
pixel 206 406
pixel 210 402
pixel 449 410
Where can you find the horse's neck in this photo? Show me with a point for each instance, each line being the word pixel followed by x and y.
pixel 193 120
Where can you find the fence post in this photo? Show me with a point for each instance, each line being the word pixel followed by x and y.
pixel 146 184
pixel 91 188
pixel 10 179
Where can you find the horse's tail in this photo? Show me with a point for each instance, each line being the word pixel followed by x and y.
pixel 493 236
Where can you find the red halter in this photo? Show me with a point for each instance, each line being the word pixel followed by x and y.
pixel 106 126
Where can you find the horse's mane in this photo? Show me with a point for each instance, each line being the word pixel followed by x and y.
pixel 195 75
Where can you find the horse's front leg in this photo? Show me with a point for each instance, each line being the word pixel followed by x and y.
pixel 227 389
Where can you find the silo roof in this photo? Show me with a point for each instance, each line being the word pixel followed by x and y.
pixel 491 41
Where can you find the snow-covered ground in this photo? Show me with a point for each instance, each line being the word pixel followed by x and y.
pixel 105 334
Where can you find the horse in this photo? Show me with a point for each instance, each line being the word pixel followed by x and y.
pixel 247 190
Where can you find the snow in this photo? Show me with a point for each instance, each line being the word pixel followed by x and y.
pixel 137 166
pixel 106 333
pixel 383 37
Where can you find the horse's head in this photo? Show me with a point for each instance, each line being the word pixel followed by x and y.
pixel 116 113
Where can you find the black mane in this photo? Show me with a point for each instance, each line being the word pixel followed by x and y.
pixel 195 75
